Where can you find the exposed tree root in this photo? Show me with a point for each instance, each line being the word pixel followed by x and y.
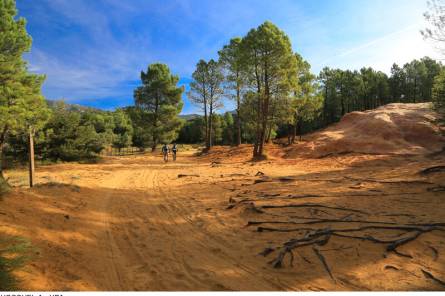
pixel 320 237
pixel 186 175
pixel 435 253
pixel 262 180
pixel 433 169
pixel 436 189
pixel 318 221
pixel 323 261
pixel 432 277
pixel 389 181
pixel 311 205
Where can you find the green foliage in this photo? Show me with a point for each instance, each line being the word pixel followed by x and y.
pixel 159 101
pixel 123 129
pixel 347 91
pixel 206 90
pixel 438 93
pixel 193 131
pixel 4 186
pixel 270 72
pixel 232 60
pixel 70 137
pixel 22 107
pixel 14 252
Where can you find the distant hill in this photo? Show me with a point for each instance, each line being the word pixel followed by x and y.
pixel 73 107
pixel 81 108
pixel 189 116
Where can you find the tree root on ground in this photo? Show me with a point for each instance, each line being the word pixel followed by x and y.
pixel 323 261
pixel 428 275
pixel 433 169
pixel 320 237
pixel 389 181
pixel 311 205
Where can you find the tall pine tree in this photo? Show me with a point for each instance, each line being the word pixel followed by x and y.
pixel 159 100
pixel 22 106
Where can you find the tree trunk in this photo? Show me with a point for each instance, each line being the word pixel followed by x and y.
pixel 238 120
pixel 269 133
pixel 294 132
pixel 2 178
pixel 155 123
pixel 256 146
pixel 289 134
pixel 206 120
pixel 210 133
pixel 155 143
pixel 2 143
pixel 299 128
pixel 31 159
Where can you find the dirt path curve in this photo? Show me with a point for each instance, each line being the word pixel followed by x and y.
pixel 129 224
pixel 156 244
pixel 138 224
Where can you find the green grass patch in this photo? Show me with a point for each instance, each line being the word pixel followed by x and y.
pixel 53 184
pixel 14 253
pixel 4 186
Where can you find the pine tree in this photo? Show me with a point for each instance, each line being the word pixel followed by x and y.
pixel 159 100
pixel 22 106
pixel 269 61
pixel 206 90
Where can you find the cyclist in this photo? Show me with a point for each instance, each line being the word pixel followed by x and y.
pixel 165 151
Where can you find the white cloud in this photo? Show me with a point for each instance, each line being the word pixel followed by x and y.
pixel 380 54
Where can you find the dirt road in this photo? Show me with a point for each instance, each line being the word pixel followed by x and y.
pixel 136 223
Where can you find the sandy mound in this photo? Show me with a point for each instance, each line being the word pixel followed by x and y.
pixel 239 154
pixel 391 129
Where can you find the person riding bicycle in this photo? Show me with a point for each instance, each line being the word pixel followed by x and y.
pixel 165 151
pixel 174 150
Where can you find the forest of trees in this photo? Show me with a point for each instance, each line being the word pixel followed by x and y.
pixel 273 89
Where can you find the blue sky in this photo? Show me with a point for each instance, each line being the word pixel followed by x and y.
pixel 92 51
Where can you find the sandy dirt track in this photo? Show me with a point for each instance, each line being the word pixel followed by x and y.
pixel 133 223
